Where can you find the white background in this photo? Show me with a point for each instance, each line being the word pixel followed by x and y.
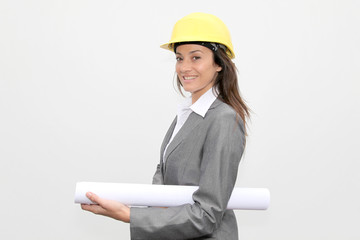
pixel 86 94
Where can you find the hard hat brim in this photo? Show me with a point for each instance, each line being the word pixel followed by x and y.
pixel 170 46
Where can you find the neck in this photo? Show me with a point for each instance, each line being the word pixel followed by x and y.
pixel 196 95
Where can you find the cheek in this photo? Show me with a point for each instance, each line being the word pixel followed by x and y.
pixel 201 70
pixel 207 72
pixel 206 68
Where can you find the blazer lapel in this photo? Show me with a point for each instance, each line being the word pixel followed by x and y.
pixel 193 120
pixel 167 139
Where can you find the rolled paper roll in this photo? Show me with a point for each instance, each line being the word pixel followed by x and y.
pixel 167 195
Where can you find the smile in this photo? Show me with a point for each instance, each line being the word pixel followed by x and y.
pixel 188 78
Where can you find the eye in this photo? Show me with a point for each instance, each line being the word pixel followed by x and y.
pixel 178 59
pixel 196 57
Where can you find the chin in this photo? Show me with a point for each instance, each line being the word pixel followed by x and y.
pixel 189 90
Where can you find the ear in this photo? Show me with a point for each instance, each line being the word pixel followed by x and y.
pixel 218 68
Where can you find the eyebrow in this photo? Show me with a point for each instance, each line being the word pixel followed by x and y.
pixel 190 52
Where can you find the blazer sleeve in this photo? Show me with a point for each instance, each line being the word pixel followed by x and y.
pixel 222 151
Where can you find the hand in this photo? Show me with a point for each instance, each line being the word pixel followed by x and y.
pixel 108 208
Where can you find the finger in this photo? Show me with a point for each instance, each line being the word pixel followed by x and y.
pixel 97 209
pixel 85 207
pixel 97 200
pixel 88 207
pixel 93 197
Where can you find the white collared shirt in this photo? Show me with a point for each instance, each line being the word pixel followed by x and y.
pixel 200 107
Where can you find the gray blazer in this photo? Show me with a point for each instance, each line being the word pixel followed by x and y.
pixel 205 152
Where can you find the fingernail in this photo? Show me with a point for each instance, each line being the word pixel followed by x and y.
pixel 89 194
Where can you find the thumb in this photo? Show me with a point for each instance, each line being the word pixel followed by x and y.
pixel 93 197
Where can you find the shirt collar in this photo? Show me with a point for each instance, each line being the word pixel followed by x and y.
pixel 202 105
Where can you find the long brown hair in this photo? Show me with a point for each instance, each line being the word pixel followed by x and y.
pixel 226 85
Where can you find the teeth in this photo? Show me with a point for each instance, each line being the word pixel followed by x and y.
pixel 189 78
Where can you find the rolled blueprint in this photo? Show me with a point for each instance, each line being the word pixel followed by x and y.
pixel 167 195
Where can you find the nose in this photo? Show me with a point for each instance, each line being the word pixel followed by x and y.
pixel 185 66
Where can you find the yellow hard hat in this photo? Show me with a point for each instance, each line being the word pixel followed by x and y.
pixel 201 27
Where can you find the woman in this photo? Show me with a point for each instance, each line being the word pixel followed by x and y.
pixel 203 145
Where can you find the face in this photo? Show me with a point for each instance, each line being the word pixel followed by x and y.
pixel 196 69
